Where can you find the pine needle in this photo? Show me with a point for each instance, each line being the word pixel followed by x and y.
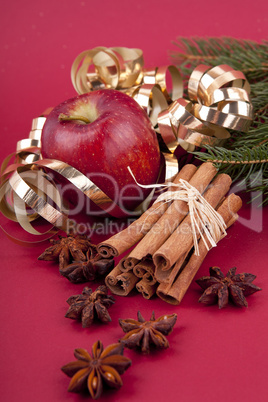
pixel 241 164
pixel 245 55
pixel 244 154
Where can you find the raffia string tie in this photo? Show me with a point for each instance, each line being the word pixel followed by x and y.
pixel 205 221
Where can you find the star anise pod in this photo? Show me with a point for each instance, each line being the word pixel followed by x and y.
pixel 233 287
pixel 88 305
pixel 66 248
pixel 88 269
pixel 143 334
pixel 102 368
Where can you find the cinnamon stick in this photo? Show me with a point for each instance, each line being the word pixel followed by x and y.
pixel 125 267
pixel 173 292
pixel 168 276
pixel 169 221
pixel 181 240
pixel 145 289
pixel 122 241
pixel 120 283
pixel 145 269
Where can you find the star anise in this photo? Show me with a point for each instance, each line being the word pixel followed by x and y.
pixel 102 368
pixel 88 269
pixel 66 248
pixel 233 287
pixel 143 334
pixel 88 305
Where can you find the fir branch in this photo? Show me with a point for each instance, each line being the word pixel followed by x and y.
pixel 241 156
pixel 257 135
pixel 259 95
pixel 245 55
pixel 241 163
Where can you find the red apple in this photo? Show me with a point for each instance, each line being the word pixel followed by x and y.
pixel 101 133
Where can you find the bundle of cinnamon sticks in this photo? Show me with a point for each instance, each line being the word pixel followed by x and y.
pixel 164 260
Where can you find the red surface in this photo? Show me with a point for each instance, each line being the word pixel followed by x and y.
pixel 213 354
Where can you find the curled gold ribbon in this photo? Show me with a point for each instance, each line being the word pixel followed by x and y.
pixel 229 120
pixel 212 110
pixel 116 68
pixel 219 96
pixel 28 191
pixel 218 100
pixel 26 183
pixel 122 69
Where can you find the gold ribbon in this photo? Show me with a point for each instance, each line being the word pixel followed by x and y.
pixel 122 69
pixel 218 96
pixel 117 68
pixel 218 100
pixel 212 109
pixel 28 191
pixel 26 183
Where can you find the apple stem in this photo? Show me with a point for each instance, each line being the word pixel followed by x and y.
pixel 64 117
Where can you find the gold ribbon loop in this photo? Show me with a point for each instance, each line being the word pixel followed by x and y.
pixel 179 123
pixel 159 76
pixel 35 134
pixel 177 84
pixel 214 108
pixel 151 98
pixel 171 166
pixel 27 143
pixel 30 186
pixel 227 120
pixel 21 183
pixel 34 140
pixel 239 108
pixel 131 66
pixel 227 94
pixel 194 80
pixel 107 66
pixel 219 76
pixel 116 68
pixel 80 67
pixel 38 123
pixel 21 188
pixel 95 82
pixel 198 139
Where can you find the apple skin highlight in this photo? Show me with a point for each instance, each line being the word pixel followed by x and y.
pixel 120 134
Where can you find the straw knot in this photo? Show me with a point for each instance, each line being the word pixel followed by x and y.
pixel 205 221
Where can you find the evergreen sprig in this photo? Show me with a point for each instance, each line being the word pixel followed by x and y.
pixel 244 154
pixel 250 158
pixel 259 95
pixel 257 135
pixel 245 55
pixel 250 165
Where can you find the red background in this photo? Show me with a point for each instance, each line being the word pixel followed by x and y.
pixel 214 354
